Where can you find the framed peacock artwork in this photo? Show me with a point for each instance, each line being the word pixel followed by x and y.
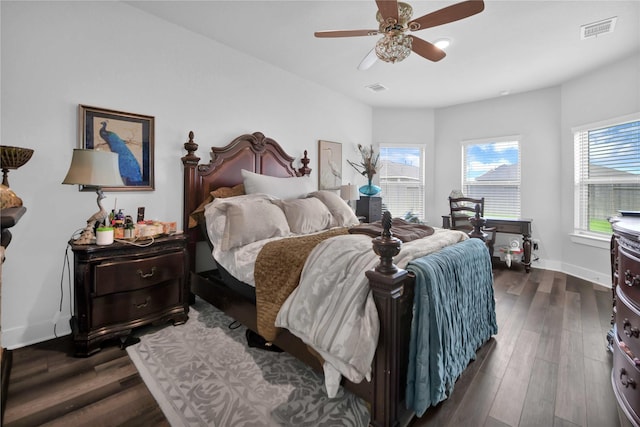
pixel 129 135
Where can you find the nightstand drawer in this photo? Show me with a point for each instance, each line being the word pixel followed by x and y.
pixel 129 275
pixel 128 306
pixel 629 275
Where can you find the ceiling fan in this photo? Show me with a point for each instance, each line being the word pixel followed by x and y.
pixel 394 20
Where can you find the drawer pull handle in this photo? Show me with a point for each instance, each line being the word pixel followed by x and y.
pixel 143 304
pixel 626 380
pixel 630 280
pixel 629 330
pixel 146 275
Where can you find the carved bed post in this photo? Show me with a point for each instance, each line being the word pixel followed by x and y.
pixel 393 294
pixel 190 203
pixel 305 169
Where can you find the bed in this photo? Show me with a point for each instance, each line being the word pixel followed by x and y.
pixel 389 288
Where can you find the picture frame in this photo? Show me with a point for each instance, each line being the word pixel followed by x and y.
pixel 129 135
pixel 330 165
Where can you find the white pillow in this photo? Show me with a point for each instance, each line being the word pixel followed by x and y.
pixel 305 216
pixel 343 215
pixel 282 188
pixel 240 220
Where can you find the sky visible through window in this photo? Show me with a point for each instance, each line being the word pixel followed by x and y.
pixel 616 147
pixel 481 158
pixel 403 155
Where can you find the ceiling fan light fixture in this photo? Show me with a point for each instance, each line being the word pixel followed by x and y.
pixel 442 43
pixel 393 47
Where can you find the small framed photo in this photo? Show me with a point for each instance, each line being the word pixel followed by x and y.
pixel 129 135
pixel 330 166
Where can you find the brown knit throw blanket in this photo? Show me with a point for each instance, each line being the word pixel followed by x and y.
pixel 403 230
pixel 277 273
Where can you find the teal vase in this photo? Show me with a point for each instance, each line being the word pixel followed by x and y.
pixel 370 190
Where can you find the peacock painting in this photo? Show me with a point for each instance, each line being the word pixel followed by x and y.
pixel 129 166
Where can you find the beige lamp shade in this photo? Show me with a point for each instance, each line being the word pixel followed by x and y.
pixel 349 192
pixel 94 168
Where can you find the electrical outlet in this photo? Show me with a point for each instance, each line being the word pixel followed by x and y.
pixel 535 244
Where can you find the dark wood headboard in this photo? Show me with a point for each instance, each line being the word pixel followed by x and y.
pixel 253 152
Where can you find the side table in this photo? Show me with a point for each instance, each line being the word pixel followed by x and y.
pixel 121 286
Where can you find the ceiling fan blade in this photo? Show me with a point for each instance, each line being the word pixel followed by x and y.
pixel 426 49
pixel 368 61
pixel 345 33
pixel 447 14
pixel 388 9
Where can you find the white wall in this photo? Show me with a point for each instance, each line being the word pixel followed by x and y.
pixel 610 92
pixel 409 126
pixel 56 55
pixel 544 119
pixel 535 117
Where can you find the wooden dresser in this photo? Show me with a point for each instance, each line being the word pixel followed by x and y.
pixel 121 286
pixel 625 263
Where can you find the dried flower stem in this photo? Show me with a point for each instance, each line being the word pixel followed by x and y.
pixel 369 164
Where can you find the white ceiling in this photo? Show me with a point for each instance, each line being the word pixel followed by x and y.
pixel 513 45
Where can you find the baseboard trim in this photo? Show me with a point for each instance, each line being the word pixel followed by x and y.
pixel 23 336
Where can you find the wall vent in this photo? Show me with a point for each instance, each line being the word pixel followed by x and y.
pixel 595 29
pixel 376 87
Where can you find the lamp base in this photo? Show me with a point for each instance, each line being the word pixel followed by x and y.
pixel 87 237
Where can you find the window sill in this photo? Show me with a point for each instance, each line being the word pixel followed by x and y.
pixel 589 240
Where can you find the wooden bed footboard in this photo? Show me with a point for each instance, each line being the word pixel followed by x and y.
pixel 392 288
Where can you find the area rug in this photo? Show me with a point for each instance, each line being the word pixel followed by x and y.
pixel 202 373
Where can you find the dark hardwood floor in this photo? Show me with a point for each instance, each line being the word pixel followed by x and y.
pixel 548 366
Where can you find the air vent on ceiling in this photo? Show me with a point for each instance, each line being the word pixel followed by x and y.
pixel 595 29
pixel 376 87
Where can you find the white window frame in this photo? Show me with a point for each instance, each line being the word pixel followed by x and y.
pixel 581 159
pixel 490 206
pixel 421 211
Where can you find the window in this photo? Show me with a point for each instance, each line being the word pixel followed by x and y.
pixel 607 172
pixel 402 180
pixel 491 169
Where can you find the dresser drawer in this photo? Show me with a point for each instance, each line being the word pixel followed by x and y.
pixel 129 275
pixel 127 306
pixel 628 323
pixel 629 274
pixel 625 377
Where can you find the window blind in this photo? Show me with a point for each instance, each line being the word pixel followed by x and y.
pixel 491 169
pixel 607 173
pixel 402 180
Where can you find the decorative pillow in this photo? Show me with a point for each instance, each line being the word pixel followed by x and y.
pixel 223 192
pixel 215 214
pixel 250 220
pixel 305 216
pixel 343 215
pixel 282 188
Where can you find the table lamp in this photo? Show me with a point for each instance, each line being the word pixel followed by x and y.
pixel 96 169
pixel 349 192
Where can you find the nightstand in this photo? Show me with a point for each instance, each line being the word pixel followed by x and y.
pixel 370 208
pixel 121 286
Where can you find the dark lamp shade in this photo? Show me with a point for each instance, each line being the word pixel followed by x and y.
pixel 94 168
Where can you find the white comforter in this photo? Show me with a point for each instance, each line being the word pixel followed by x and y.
pixel 332 309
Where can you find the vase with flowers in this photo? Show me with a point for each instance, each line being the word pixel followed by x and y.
pixel 367 167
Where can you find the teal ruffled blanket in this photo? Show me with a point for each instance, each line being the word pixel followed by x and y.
pixel 453 315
